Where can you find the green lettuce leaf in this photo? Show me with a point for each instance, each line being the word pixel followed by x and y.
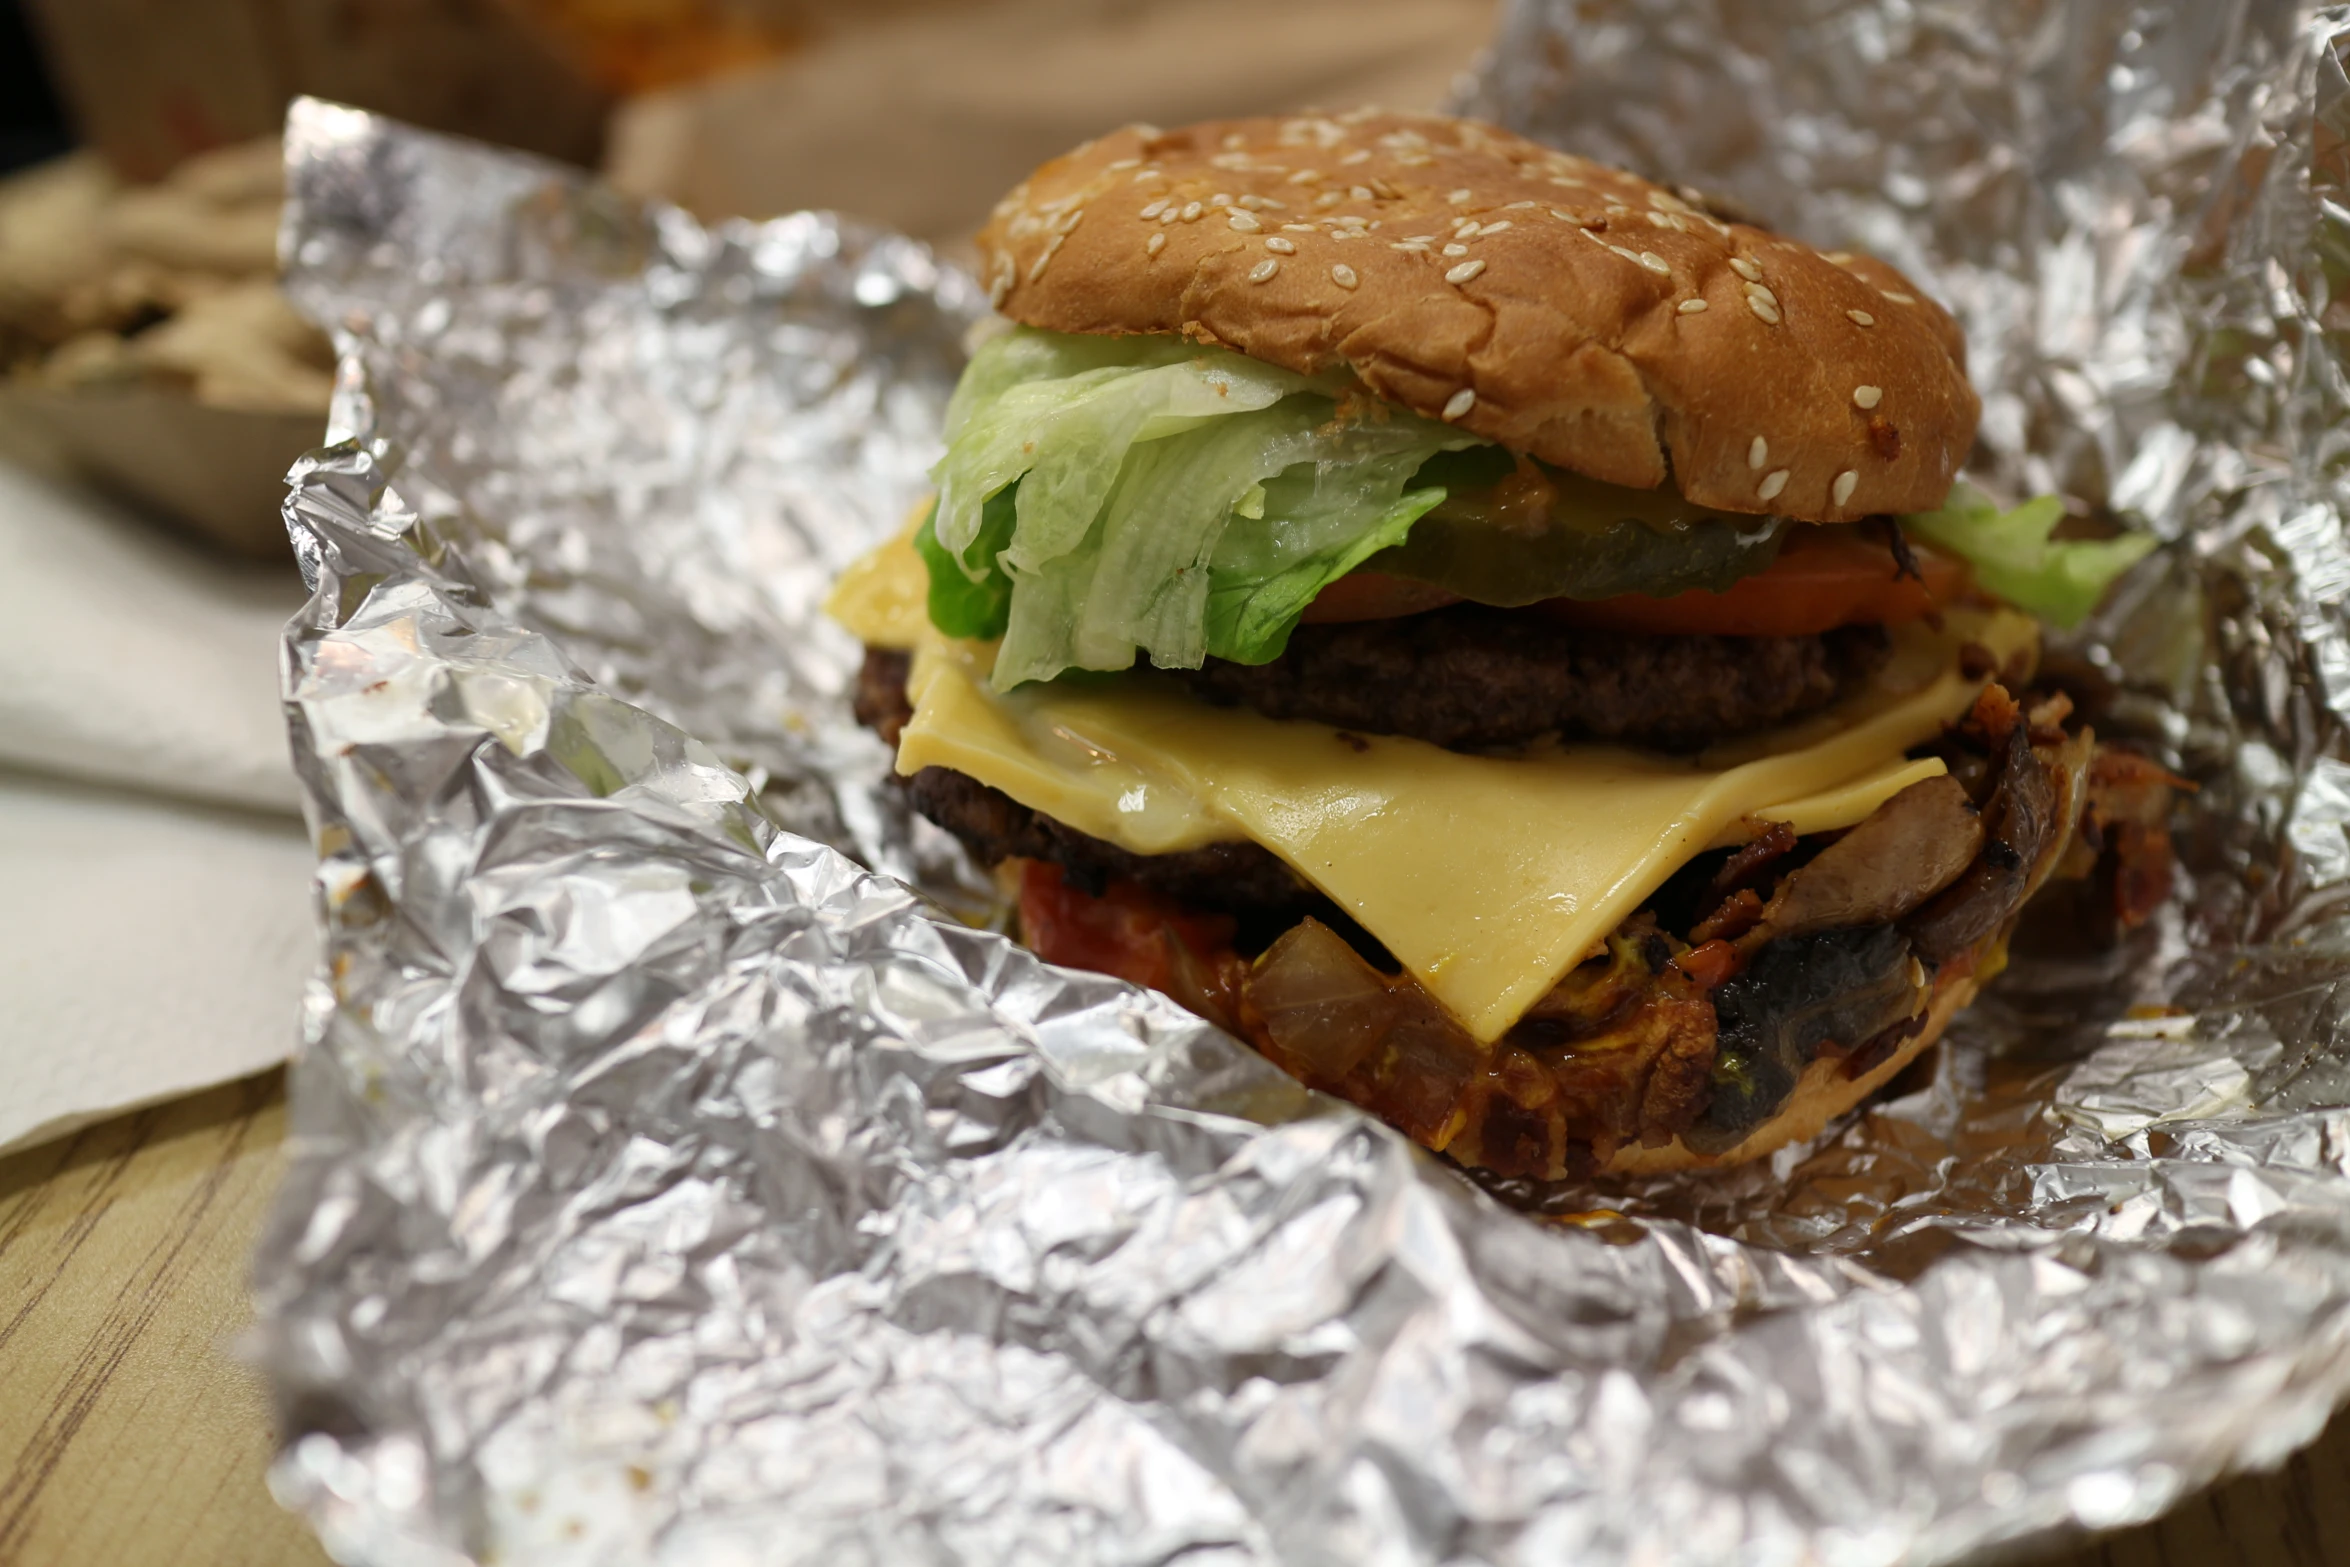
pixel 1263 578
pixel 962 605
pixel 2014 557
pixel 1164 499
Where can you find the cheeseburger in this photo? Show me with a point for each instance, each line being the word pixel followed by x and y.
pixel 1493 632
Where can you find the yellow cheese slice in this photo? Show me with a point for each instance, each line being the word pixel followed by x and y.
pixel 885 597
pixel 1845 805
pixel 1035 744
pixel 1487 877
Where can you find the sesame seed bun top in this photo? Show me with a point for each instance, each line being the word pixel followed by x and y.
pixel 1544 302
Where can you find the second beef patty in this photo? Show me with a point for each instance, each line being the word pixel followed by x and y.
pixel 1463 677
pixel 1472 678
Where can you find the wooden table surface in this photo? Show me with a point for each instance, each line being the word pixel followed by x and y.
pixel 131 1437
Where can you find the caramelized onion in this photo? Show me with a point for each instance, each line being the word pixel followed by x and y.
pixel 1322 1004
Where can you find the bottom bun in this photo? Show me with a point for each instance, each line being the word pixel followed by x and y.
pixel 1819 1096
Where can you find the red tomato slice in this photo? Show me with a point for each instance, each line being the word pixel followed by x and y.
pixel 1821 580
pixel 1373 595
pixel 1127 931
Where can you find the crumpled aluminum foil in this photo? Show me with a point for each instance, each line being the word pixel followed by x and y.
pixel 667 1188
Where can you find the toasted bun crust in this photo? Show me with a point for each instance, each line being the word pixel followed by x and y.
pixel 1591 318
pixel 1820 1095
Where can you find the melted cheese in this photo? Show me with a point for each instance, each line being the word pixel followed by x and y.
pixel 885 597
pixel 1487 877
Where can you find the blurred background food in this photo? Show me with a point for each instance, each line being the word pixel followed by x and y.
pixel 144 342
pixel 151 83
pixel 106 285
pixel 144 345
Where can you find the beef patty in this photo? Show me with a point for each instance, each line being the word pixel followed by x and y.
pixel 1464 677
pixel 1473 678
pixel 1236 878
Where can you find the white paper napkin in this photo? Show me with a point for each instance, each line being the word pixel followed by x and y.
pixel 154 912
pixel 129 658
pixel 148 948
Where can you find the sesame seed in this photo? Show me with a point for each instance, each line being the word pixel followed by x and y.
pixel 1456 250
pixel 1654 262
pixel 1305 177
pixel 1690 307
pixel 1765 308
pixel 1050 246
pixel 1464 272
pixel 1844 486
pixel 1772 484
pixel 1286 247
pixel 1459 404
pixel 1563 217
pixel 1359 192
pixel 1763 293
pixel 1155 208
pixel 1839 257
pixel 1122 165
pixel 1758 453
pixel 1359 155
pixel 1246 222
pixel 1494 228
pixel 1460 198
pixel 1222 198
pixel 1299 228
pixel 1328 198
pixel 1464 228
pixel 1191 211
pixel 1860 318
pixel 1746 269
pixel 1256 203
pixel 1898 298
pixel 1001 284
pixel 1632 256
pixel 1866 396
pixel 1172 214
pixel 1344 275
pixel 1158 242
pixel 1147 175
pixel 1263 271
